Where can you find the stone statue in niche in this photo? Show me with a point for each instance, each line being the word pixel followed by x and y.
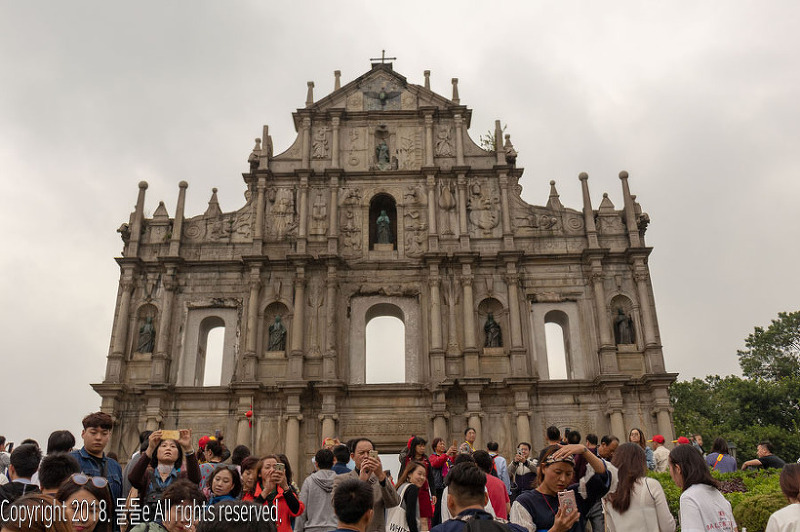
pixel 384 224
pixel 382 156
pixel 320 146
pixel 623 328
pixel 447 202
pixel 494 336
pixel 444 146
pixel 319 216
pixel 277 336
pixel 147 337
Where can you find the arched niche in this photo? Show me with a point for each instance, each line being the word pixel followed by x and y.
pixel 494 307
pixel 556 330
pixel 623 319
pixel 382 202
pixel 192 363
pixel 271 311
pixel 406 309
pixel 144 337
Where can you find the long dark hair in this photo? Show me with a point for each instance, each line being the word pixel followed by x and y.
pixel 631 462
pixel 720 446
pixel 412 447
pixel 642 440
pixel 694 469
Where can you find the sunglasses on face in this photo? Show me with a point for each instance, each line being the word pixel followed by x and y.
pixel 80 479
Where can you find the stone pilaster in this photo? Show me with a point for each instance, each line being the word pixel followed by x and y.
pixel 333 211
pixel 302 230
pixel 471 362
pixel 158 372
pixel 428 139
pixel 335 142
pixel 329 367
pixel 459 127
pixel 433 233
pixel 305 129
pixel 249 359
pixel 298 325
pixel 258 231
pixel 117 356
pixel 608 351
pixel 508 233
pixel 461 182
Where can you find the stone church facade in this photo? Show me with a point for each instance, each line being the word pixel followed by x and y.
pixel 475 274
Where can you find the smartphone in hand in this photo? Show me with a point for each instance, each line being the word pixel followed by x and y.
pixel 566 500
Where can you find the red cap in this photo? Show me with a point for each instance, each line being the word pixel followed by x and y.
pixel 658 438
pixel 203 441
pixel 683 440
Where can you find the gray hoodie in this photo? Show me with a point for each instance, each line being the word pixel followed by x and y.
pixel 316 496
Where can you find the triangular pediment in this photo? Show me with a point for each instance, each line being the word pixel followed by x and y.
pixel 380 89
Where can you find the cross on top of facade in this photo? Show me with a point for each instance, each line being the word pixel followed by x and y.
pixel 383 58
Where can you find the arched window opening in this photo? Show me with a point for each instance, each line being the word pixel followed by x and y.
pixel 382 206
pixel 556 333
pixel 210 349
pixel 556 354
pixel 385 345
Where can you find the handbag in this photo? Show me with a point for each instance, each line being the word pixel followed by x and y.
pixel 396 516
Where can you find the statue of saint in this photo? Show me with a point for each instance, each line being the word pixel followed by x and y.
pixel 494 336
pixel 382 154
pixel 277 336
pixel 147 337
pixel 384 228
pixel 623 328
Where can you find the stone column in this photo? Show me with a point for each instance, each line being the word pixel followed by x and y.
pixel 459 139
pixel 298 326
pixel 428 139
pixel 588 213
pixel 436 308
pixel 136 228
pixel 618 424
pixel 177 225
pixel 243 430
pixel 519 365
pixel 471 362
pixel 251 338
pixel 335 141
pixel 328 414
pixel 614 406
pixel 329 370
pixel 461 182
pixel 440 428
pixel 608 351
pixel 114 368
pixel 641 276
pixel 433 233
pixel 158 372
pixel 630 214
pixel 258 231
pixel 293 438
pixel 474 412
pixel 333 221
pixel 508 236
pixel 306 135
pixel 302 230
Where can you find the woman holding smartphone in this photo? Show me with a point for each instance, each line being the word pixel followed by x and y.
pixel 555 504
pixel 272 486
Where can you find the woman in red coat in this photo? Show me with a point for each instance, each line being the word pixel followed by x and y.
pixel 272 486
pixel 416 452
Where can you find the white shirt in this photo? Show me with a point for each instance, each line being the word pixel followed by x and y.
pixel 704 508
pixel 648 510
pixel 785 520
pixel 446 512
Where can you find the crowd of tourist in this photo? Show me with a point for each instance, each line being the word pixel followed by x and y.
pixel 572 484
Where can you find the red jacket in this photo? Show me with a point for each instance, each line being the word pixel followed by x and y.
pixel 285 514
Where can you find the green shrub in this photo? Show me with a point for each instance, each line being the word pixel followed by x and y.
pixel 753 512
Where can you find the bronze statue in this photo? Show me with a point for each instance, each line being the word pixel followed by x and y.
pixel 384 228
pixel 277 336
pixel 494 336
pixel 147 337
pixel 623 328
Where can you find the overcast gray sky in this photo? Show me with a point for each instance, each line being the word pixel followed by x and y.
pixel 697 100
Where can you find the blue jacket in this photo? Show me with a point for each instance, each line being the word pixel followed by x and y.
pixel 109 469
pixel 458 524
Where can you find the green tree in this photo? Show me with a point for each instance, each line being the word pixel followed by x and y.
pixel 773 353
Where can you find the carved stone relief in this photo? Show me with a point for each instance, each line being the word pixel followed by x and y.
pixel 381 93
pixel 350 221
pixel 484 208
pixel 355 102
pixel 444 143
pixel 447 202
pixel 408 101
pixel 320 148
pixel 416 231
pixel 319 214
pixel 409 149
pixel 415 195
pixel 356 150
pixel 282 220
